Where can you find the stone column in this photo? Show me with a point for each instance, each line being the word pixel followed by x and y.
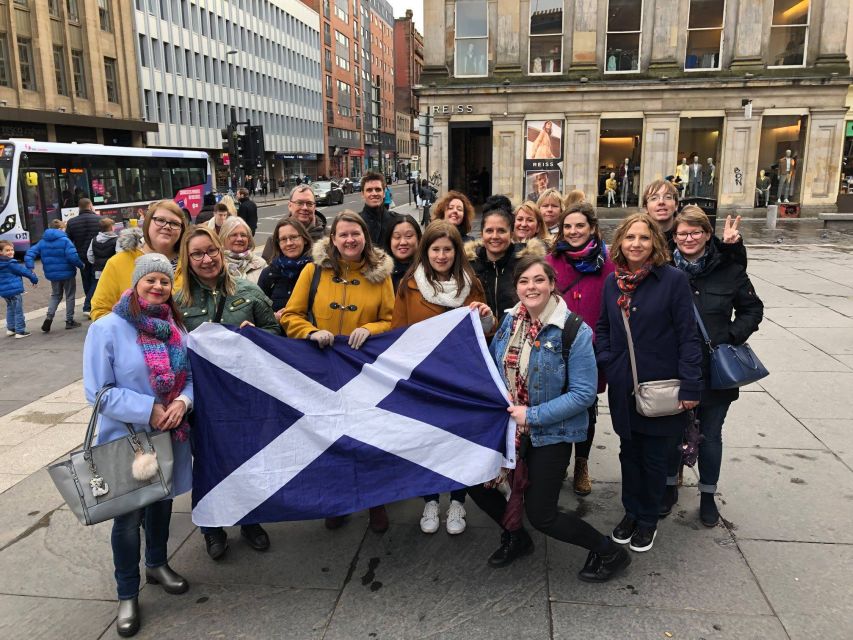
pixel 660 147
pixel 737 169
pixel 508 156
pixel 437 49
pixel 833 34
pixel 580 153
pixel 438 158
pixel 584 36
pixel 664 35
pixel 749 34
pixel 817 176
pixel 510 25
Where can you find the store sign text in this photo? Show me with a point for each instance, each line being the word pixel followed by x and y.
pixel 452 108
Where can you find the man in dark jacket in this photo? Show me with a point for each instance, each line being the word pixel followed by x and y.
pixel 81 230
pixel 248 210
pixel 377 218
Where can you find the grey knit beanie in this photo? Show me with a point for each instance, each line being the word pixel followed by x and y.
pixel 151 263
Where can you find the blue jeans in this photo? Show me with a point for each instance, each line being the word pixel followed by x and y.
pixel 87 275
pixel 15 313
pixel 58 288
pixel 711 418
pixel 645 461
pixel 155 519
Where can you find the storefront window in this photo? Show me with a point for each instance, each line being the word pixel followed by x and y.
pixel 780 153
pixel 546 36
pixel 472 38
pixel 695 172
pixel 846 186
pixel 624 24
pixel 704 34
pixel 789 33
pixel 619 152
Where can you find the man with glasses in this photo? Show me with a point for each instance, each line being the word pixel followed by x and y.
pixel 303 207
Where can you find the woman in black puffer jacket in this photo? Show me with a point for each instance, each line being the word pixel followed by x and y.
pixel 493 259
pixel 720 286
pixel 292 252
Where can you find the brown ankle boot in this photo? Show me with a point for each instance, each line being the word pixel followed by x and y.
pixel 583 486
pixel 378 519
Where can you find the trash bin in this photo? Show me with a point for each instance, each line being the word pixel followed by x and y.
pixel 708 205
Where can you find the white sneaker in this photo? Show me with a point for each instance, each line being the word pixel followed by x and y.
pixel 9 332
pixel 430 519
pixel 455 518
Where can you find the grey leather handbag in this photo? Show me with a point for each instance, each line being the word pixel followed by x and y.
pixel 97 483
pixel 654 398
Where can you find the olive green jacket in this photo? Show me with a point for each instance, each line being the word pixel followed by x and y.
pixel 247 303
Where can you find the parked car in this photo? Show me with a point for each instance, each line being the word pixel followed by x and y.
pixel 327 192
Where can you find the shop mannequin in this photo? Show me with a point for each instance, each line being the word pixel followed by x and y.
pixel 610 189
pixel 762 188
pixel 682 171
pixel 625 181
pixel 472 63
pixel 787 173
pixel 694 186
pixel 710 174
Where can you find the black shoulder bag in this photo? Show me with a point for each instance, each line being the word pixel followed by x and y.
pixel 312 293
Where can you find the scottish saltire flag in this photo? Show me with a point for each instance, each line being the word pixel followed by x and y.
pixel 286 431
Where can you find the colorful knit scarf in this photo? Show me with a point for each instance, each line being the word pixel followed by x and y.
pixel 290 268
pixel 588 259
pixel 628 281
pixel 163 349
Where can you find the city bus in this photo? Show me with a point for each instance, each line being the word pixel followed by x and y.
pixel 43 181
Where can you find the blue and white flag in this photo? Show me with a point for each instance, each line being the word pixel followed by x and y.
pixel 284 430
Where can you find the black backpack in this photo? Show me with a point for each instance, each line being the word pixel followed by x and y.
pixel 570 332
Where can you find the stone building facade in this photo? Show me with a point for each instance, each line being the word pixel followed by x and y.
pixel 580 90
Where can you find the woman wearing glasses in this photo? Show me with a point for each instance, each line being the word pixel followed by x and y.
pixel 721 288
pixel 292 254
pixel 162 230
pixel 354 297
pixel 211 294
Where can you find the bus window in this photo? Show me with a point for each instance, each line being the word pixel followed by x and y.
pixel 152 187
pixel 130 187
pixel 180 179
pixel 73 184
pixel 104 185
pixel 168 187
pixel 197 176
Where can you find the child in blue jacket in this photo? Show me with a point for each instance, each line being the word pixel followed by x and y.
pixel 60 262
pixel 12 289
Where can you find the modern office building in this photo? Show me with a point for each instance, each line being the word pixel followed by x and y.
pixel 68 72
pixel 408 65
pixel 580 90
pixel 196 60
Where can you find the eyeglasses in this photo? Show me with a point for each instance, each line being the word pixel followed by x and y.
pixel 198 256
pixel 693 235
pixel 162 223
pixel 304 203
pixel 666 198
pixel 289 239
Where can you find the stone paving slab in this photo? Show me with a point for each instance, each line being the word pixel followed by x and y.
pixel 831 340
pixel 817 395
pixel 24 505
pixel 593 622
pixel 758 420
pixel 808 585
pixel 798 355
pixel 836 436
pixel 804 318
pixel 785 494
pixel 49 618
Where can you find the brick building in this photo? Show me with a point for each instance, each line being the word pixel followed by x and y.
pixel 408 65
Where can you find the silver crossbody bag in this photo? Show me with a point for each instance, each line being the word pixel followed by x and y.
pixel 655 398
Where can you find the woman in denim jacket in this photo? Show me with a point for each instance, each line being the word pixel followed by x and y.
pixel 549 398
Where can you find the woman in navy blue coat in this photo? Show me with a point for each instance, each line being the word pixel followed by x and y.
pixel 656 298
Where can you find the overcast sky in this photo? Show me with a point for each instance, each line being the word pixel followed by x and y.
pixel 417 7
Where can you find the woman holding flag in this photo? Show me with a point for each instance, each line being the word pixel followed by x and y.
pixel 351 296
pixel 551 387
pixel 440 279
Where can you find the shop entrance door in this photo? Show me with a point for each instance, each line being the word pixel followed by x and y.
pixel 39 202
pixel 470 160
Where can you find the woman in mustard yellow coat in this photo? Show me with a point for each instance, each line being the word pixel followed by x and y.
pixel 354 298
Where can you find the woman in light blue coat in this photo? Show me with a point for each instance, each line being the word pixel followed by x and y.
pixel 551 387
pixel 140 348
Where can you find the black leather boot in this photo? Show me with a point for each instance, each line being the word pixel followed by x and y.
pixel 127 622
pixel 514 544
pixel 170 581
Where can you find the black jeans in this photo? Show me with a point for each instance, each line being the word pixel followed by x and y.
pixel 456 494
pixel 87 275
pixel 645 460
pixel 546 467
pixel 582 449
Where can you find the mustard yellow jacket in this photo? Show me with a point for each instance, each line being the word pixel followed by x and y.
pixel 361 297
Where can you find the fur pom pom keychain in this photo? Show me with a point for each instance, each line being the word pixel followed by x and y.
pixel 144 465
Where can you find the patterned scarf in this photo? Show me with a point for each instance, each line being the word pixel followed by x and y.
pixel 163 349
pixel 239 264
pixel 695 268
pixel 290 268
pixel 589 259
pixel 628 281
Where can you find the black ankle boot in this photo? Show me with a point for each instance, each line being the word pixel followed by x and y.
pixel 514 544
pixel 708 513
pixel 602 567
pixel 670 498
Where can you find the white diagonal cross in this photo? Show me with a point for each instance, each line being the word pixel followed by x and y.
pixel 328 415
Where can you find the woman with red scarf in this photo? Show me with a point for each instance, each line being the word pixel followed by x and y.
pixel 140 349
pixel 580 260
pixel 657 302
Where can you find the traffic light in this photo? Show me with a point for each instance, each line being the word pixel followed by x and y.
pixel 254 156
pixel 240 145
pixel 226 140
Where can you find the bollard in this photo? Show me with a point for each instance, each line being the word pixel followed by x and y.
pixel 772 215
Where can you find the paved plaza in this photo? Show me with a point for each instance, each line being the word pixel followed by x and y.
pixel 777 567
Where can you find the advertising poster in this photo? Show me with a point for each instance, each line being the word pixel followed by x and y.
pixel 543 157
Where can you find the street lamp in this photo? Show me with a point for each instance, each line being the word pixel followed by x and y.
pixel 232 129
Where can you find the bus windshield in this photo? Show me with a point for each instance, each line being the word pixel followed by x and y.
pixel 7 151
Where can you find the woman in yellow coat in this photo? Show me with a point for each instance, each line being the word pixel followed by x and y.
pixel 354 298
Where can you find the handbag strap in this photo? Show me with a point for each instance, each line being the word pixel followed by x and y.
pixel 220 308
pixel 631 356
pixel 93 420
pixel 312 293
pixel 702 327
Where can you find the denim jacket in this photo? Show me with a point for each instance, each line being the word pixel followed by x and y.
pixel 554 416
